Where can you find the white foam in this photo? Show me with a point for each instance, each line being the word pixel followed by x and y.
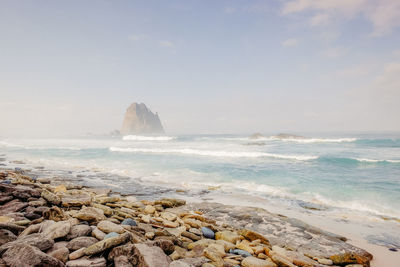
pixel 215 153
pixel 377 160
pixel 278 138
pixel 147 138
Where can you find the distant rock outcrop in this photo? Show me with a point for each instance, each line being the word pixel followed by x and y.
pixel 140 120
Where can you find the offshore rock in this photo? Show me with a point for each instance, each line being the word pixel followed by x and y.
pixel 140 120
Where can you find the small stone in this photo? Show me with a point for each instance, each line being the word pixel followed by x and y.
pixel 97 233
pixel 168 216
pixel 251 235
pixel 6 236
pixel 149 209
pixel 50 197
pixel 245 245
pixel 170 202
pixel 240 252
pixel 108 227
pixel 170 224
pixel 57 230
pixel 191 236
pixel 149 235
pixel 208 233
pixel 129 221
pixel 214 256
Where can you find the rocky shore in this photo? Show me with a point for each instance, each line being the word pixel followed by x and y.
pixel 46 222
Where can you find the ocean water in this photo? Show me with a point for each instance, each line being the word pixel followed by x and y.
pixel 332 175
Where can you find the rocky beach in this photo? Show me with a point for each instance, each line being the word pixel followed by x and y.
pixel 53 221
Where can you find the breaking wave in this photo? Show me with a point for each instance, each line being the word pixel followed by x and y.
pixel 147 138
pixel 217 153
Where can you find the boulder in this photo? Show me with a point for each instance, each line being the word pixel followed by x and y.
pixel 81 242
pixel 23 255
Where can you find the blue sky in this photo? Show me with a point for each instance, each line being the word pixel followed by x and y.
pixel 71 67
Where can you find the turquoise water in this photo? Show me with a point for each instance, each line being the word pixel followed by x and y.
pixel 359 173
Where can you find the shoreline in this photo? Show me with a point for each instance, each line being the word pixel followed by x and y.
pixel 311 237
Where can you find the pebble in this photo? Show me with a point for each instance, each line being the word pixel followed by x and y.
pixel 240 252
pixel 208 233
pixel 129 221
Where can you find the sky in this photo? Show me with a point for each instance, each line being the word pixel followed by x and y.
pixel 234 66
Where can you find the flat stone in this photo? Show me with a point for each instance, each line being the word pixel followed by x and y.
pixel 97 233
pixel 79 230
pixel 76 200
pixel 36 240
pixel 170 202
pixel 57 230
pixel 166 245
pixel 122 261
pixel 23 255
pixel 255 262
pixel 60 254
pixel 81 242
pixel 240 252
pixel 191 236
pixel 107 210
pixel 12 227
pixel 90 214
pixel 108 227
pixel 12 206
pixel 107 243
pixel 251 235
pixel 87 262
pixel 168 216
pixel 144 255
pixel 77 254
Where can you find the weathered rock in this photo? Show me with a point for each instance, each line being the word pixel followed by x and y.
pixel 60 254
pixel 6 236
pixel 12 206
pixel 107 243
pixel 103 200
pixel 282 261
pixel 81 242
pixel 51 197
pixel 76 200
pixel 23 255
pixel 350 258
pixel 255 262
pixel 12 227
pixel 191 236
pixel 149 209
pixel 122 261
pixel 147 256
pixel 108 227
pixel 168 216
pixel 176 231
pixel 79 230
pixel 245 245
pixel 57 230
pixel 90 214
pixel 87 262
pixel 227 245
pixel 229 236
pixel 35 240
pixel 107 210
pixel 54 214
pixel 214 256
pixel 166 245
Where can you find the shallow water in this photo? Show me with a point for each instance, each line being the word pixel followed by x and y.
pixel 347 177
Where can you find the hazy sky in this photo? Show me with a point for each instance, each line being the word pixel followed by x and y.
pixel 71 67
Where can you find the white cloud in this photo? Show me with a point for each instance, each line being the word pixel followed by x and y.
pixel 137 37
pixel 290 42
pixel 335 52
pixel 166 43
pixel 384 15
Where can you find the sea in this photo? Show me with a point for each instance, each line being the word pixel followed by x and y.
pixel 348 183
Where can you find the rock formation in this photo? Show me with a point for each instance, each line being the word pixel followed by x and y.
pixel 140 120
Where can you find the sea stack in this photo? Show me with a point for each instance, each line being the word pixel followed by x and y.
pixel 140 120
